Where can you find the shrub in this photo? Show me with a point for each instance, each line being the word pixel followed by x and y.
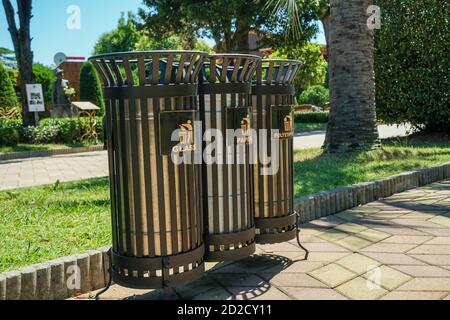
pixel 90 87
pixel 412 63
pixel 9 136
pixel 63 130
pixel 8 98
pixel 316 95
pixel 45 76
pixel 311 117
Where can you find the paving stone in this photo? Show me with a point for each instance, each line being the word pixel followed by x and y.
pixel 350 227
pixel 389 247
pixel 326 256
pixel 394 258
pixel 441 220
pixel 423 271
pixel 401 231
pixel 332 235
pixel 426 284
pixel 292 280
pixel 372 235
pixel 431 249
pixel 301 267
pixel 358 263
pixel 285 246
pixel 313 293
pixel 434 259
pixel 332 274
pixel 245 293
pixel 349 216
pixel 414 295
pixel 307 239
pixel 437 232
pixel 196 288
pixel 387 277
pixel 439 240
pixel 234 280
pixel 324 247
pixel 353 243
pixel 361 289
pixel 407 239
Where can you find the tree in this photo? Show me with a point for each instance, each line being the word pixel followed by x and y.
pixel 7 57
pixel 314 70
pixel 90 87
pixel 46 77
pixel 412 63
pixel 227 22
pixel 21 39
pixel 8 98
pixel 121 39
pixel 127 37
pixel 352 124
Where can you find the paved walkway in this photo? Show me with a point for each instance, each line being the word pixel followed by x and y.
pixel 316 138
pixel 20 173
pixel 396 248
pixel 47 170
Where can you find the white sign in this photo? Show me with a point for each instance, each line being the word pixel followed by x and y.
pixel 35 98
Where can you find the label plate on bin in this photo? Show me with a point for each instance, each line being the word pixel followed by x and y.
pixel 239 119
pixel 282 119
pixel 179 126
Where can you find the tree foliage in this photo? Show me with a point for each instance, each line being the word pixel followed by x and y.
pixel 90 87
pixel 7 57
pixel 127 37
pixel 227 22
pixel 314 69
pixel 8 98
pixel 46 77
pixel 316 95
pixel 412 63
pixel 123 38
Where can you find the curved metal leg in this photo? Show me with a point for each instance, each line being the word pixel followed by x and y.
pixel 298 236
pixel 108 285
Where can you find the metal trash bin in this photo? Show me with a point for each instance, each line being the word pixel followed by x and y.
pixel 273 95
pixel 225 87
pixel 157 223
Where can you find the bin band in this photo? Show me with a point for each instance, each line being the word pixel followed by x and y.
pixel 276 222
pixel 273 89
pixel 152 91
pixel 220 88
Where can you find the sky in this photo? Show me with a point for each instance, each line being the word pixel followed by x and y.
pixel 54 27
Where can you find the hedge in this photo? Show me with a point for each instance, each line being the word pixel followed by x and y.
pixel 412 63
pixel 8 98
pixel 63 130
pixel 311 117
pixel 90 87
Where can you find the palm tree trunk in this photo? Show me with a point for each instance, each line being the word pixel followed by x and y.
pixel 352 124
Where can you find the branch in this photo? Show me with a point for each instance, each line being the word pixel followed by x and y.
pixel 9 12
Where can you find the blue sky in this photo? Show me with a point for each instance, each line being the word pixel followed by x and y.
pixel 51 34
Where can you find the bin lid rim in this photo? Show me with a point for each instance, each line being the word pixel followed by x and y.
pixel 134 53
pixel 233 55
pixel 283 60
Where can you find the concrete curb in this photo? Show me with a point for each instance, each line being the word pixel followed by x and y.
pixel 47 153
pixel 323 204
pixel 50 280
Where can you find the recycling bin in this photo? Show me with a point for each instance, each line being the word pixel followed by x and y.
pixel 225 106
pixel 157 223
pixel 273 95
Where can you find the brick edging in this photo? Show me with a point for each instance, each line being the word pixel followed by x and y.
pixel 323 204
pixel 48 280
pixel 47 153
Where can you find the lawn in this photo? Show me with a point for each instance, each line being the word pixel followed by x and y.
pixel 39 147
pixel 302 127
pixel 42 223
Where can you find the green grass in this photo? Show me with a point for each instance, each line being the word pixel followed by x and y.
pixel 42 223
pixel 302 127
pixel 316 171
pixel 39 147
